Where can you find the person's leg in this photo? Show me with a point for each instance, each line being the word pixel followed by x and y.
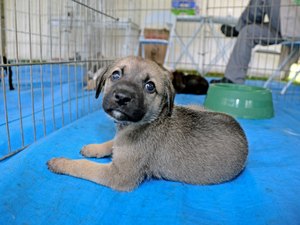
pixel 253 13
pixel 249 37
pixel 272 9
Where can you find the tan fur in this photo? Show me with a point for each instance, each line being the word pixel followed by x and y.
pixel 97 150
pixel 155 138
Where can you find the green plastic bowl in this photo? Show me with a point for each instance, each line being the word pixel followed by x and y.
pixel 240 101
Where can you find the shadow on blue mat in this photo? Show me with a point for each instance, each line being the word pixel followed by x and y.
pixel 267 192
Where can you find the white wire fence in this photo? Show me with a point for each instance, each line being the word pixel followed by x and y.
pixel 53 46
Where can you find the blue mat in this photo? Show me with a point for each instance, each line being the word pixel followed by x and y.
pixel 267 192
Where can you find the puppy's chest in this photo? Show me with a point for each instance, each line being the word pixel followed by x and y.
pixel 137 142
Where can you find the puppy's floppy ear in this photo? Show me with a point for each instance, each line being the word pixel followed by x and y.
pixel 101 76
pixel 170 92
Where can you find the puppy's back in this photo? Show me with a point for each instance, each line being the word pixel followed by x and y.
pixel 200 147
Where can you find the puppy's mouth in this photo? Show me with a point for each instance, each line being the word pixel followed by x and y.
pixel 118 115
pixel 121 116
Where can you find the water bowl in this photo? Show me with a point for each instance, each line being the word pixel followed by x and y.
pixel 240 101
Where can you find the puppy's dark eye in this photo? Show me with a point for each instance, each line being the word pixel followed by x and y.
pixel 116 75
pixel 150 87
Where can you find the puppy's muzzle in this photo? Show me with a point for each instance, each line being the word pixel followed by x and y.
pixel 124 102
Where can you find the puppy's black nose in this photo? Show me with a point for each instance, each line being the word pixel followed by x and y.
pixel 122 98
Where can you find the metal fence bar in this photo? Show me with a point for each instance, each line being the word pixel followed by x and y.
pixel 60 70
pixel 31 75
pixel 4 86
pixel 13 153
pixel 51 66
pixel 69 86
pixel 18 77
pixel 81 66
pixel 75 70
pixel 95 10
pixel 54 62
pixel 41 69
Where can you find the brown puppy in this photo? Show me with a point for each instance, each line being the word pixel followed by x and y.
pixel 156 138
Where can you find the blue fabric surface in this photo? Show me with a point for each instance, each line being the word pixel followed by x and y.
pixel 267 192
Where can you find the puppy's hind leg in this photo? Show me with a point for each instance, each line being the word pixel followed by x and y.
pixel 97 150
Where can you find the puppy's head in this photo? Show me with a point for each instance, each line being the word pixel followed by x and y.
pixel 135 90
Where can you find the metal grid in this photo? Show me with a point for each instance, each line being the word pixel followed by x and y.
pixel 51 47
pixel 53 44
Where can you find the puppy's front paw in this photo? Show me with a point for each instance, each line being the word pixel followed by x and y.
pixel 97 150
pixel 87 151
pixel 94 150
pixel 57 165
